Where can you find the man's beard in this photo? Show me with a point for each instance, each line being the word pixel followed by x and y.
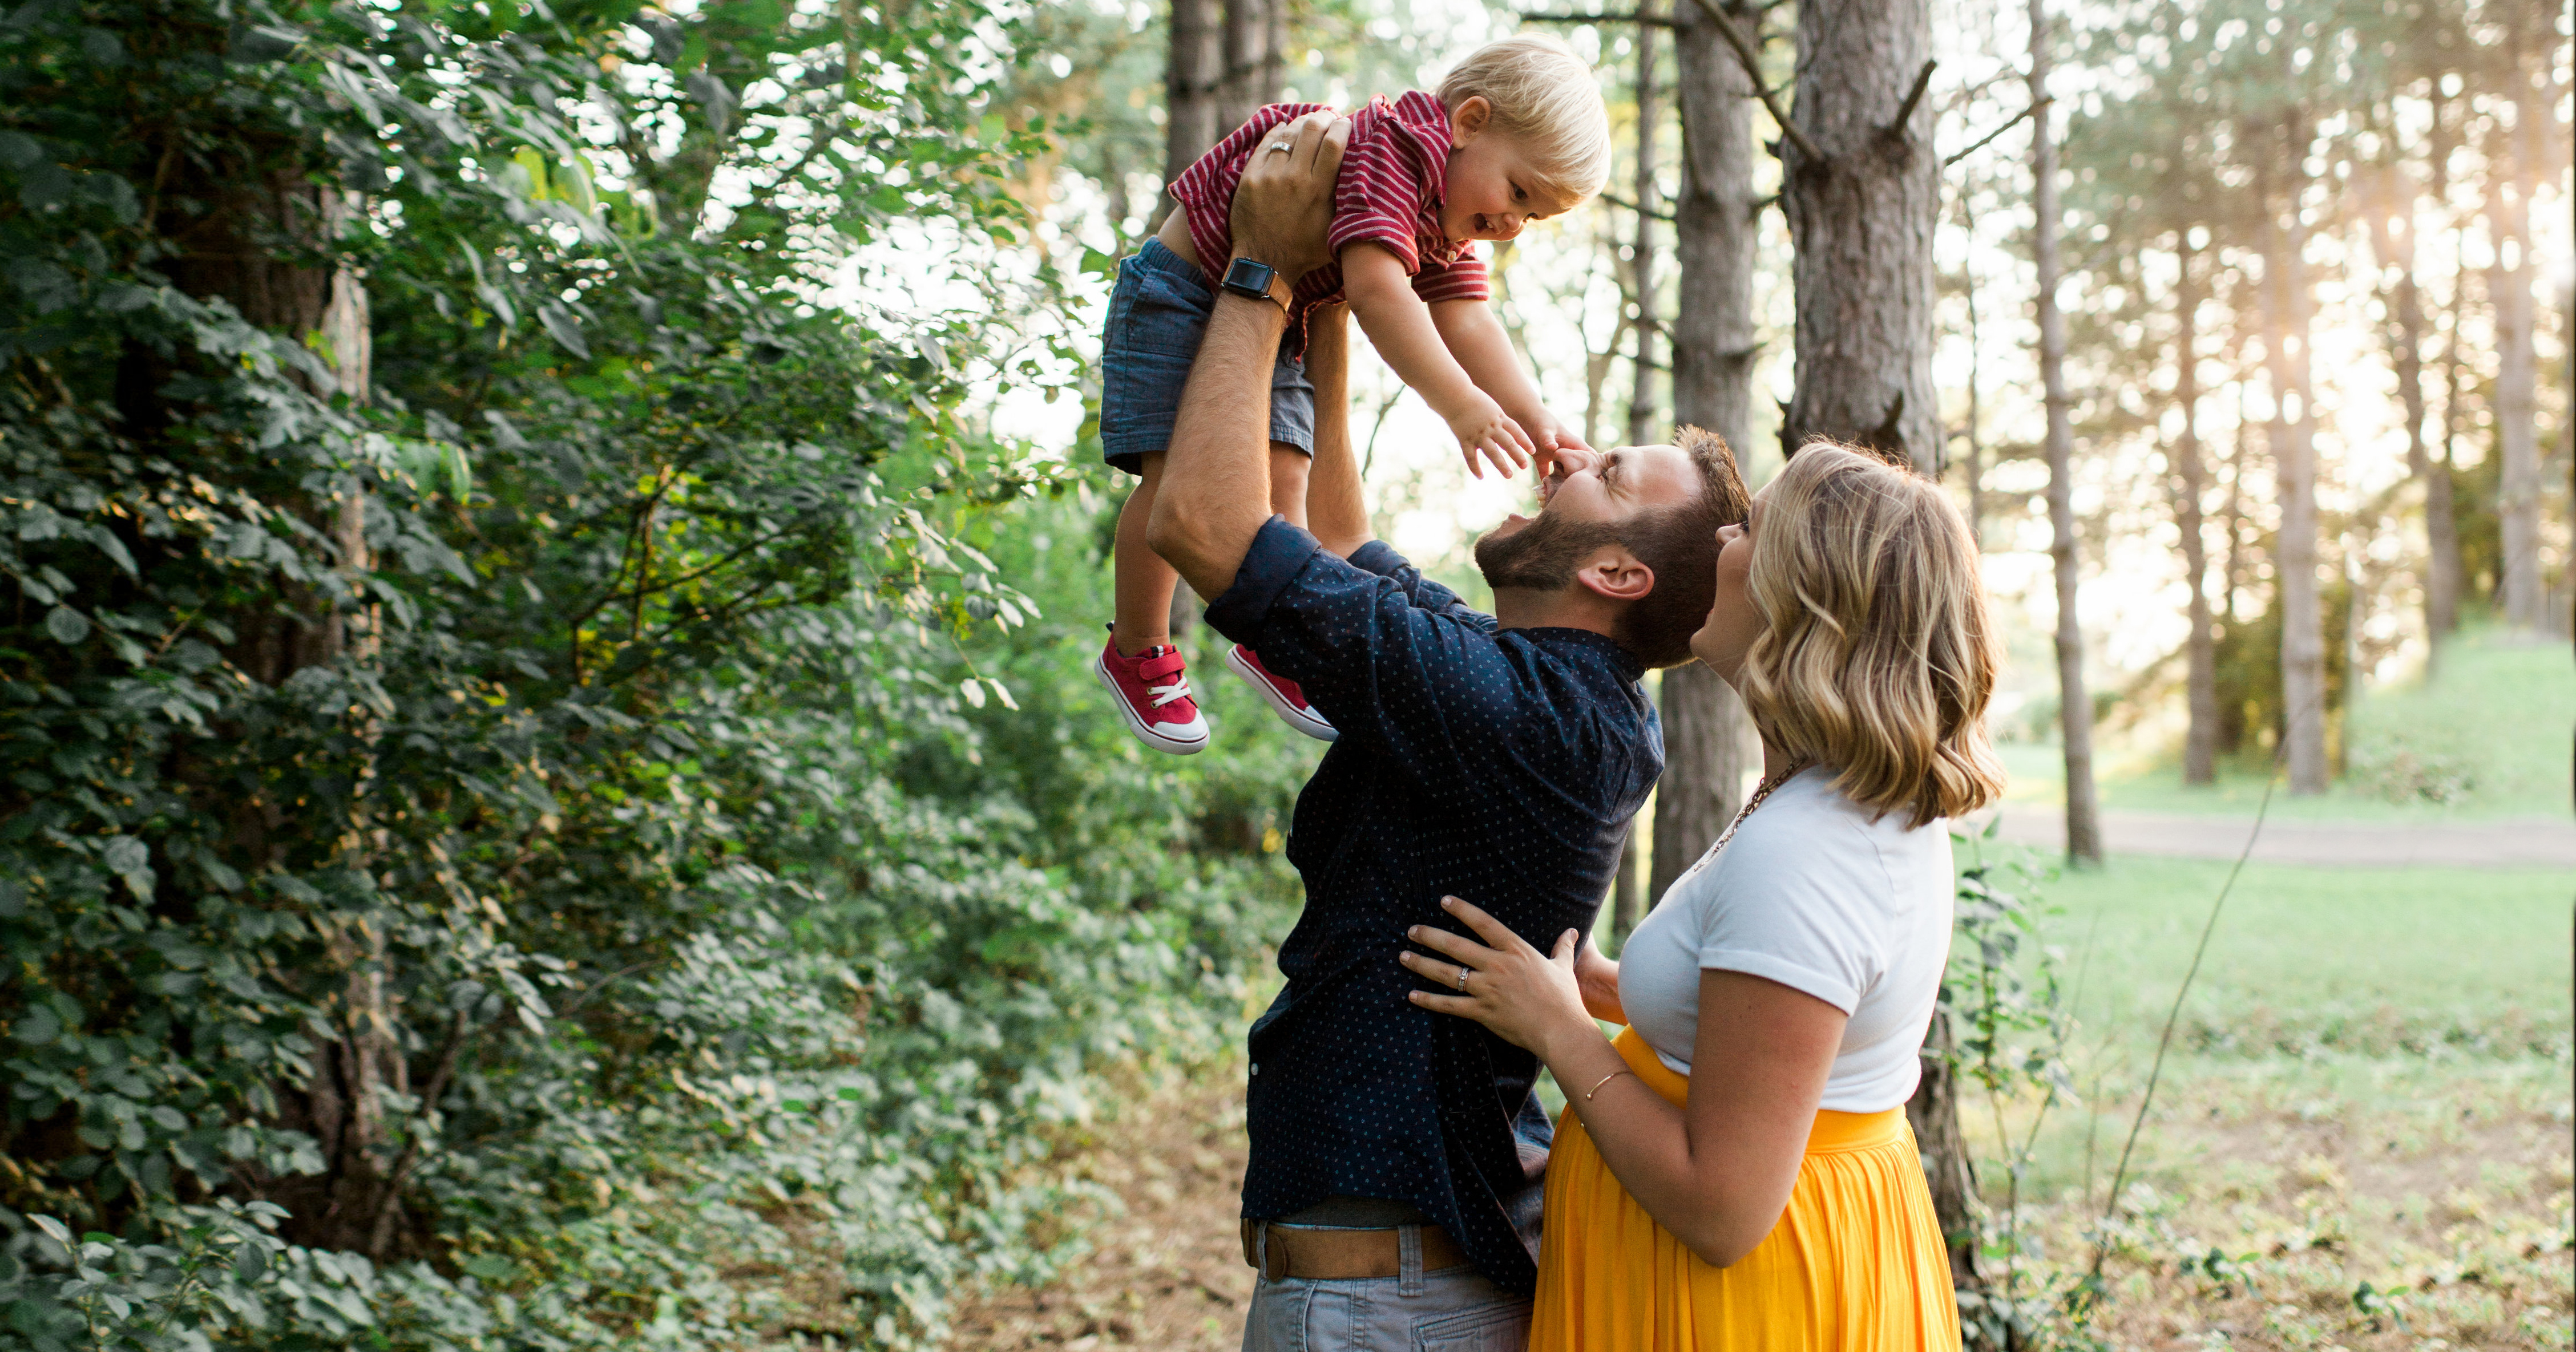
pixel 1541 556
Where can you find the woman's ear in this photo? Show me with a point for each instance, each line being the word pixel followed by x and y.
pixel 1467 120
pixel 1613 573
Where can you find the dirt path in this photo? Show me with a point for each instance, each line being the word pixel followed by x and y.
pixel 2540 842
pixel 1168 1274
pixel 2273 1206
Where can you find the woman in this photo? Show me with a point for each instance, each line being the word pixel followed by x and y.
pixel 1738 1172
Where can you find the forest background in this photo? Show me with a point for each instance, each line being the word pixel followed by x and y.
pixel 551 794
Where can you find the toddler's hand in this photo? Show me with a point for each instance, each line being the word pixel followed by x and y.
pixel 1548 436
pixel 1484 429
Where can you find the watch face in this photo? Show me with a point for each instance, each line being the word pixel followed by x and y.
pixel 1249 277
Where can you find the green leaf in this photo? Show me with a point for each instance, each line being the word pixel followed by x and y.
pixel 68 626
pixel 37 1026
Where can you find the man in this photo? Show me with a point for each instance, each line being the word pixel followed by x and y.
pixel 1394 1189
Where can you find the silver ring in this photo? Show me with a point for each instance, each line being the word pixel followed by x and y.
pixel 1279 145
pixel 1462 981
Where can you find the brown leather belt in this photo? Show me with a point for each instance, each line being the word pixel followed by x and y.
pixel 1344 1255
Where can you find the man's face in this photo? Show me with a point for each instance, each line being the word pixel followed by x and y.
pixel 1582 501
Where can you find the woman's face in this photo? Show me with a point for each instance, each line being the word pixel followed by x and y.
pixel 1732 622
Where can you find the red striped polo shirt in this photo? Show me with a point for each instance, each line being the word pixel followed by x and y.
pixel 1393 177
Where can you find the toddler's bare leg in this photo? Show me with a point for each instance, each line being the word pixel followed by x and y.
pixel 1144 582
pixel 1288 471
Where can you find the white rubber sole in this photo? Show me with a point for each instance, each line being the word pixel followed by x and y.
pixel 1172 746
pixel 1309 724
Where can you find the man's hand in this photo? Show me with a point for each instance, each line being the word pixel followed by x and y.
pixel 1284 206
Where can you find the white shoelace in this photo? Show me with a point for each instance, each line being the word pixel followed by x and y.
pixel 1165 694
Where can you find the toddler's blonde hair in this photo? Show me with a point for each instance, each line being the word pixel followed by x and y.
pixel 1544 97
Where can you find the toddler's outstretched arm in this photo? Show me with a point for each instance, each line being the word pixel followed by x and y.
pixel 1474 335
pixel 1401 326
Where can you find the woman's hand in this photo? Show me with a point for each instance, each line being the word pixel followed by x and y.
pixel 1597 978
pixel 1528 998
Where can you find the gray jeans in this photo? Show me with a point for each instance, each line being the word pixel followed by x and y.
pixel 1452 1310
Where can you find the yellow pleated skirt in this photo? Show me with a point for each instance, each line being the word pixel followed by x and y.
pixel 1855 1265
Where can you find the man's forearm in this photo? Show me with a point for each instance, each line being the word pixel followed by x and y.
pixel 1215 490
pixel 1335 509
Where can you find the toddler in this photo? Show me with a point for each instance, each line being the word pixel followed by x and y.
pixel 1517 133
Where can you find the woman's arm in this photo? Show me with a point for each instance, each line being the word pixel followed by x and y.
pixel 1717 1174
pixel 1400 325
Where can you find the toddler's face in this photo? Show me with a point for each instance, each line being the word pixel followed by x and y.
pixel 1492 192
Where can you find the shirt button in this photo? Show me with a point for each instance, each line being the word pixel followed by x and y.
pixel 1256 1067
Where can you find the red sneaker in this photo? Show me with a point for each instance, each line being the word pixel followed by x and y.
pixel 1153 694
pixel 1282 694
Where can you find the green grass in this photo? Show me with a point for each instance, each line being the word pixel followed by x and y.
pixel 2492 728
pixel 2370 958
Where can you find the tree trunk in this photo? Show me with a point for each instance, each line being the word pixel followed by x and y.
pixel 2517 382
pixel 1255 30
pixel 2191 474
pixel 1641 263
pixel 2075 706
pixel 232 251
pixel 1975 433
pixel 2441 528
pixel 1190 81
pixel 1861 212
pixel 1862 194
pixel 1627 893
pixel 2294 461
pixel 1934 1115
pixel 1194 88
pixel 1709 742
pixel 2392 233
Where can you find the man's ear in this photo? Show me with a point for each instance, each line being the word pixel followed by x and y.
pixel 1614 574
pixel 1468 119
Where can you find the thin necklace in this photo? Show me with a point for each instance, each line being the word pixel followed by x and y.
pixel 1760 792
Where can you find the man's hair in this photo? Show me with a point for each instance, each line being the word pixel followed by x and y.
pixel 1677 542
pixel 1878 652
pixel 1680 544
pixel 1544 97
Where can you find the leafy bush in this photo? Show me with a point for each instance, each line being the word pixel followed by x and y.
pixel 520 842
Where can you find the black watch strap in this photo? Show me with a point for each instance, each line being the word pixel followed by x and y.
pixel 1252 279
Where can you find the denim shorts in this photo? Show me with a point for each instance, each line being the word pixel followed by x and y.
pixel 1157 317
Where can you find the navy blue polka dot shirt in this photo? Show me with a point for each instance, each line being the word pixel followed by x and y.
pixel 1498 765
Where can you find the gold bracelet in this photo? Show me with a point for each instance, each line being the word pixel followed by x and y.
pixel 1596 1088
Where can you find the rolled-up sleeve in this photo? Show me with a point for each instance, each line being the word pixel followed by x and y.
pixel 1393 658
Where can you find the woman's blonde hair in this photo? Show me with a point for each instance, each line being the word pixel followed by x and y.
pixel 1544 97
pixel 1878 652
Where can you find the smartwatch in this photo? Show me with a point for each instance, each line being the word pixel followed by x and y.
pixel 1254 280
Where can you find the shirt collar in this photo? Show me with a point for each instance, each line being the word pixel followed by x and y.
pixel 1554 636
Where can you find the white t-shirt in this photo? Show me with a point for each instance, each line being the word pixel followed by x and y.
pixel 1814 895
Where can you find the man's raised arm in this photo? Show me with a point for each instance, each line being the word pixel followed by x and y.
pixel 1215 491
